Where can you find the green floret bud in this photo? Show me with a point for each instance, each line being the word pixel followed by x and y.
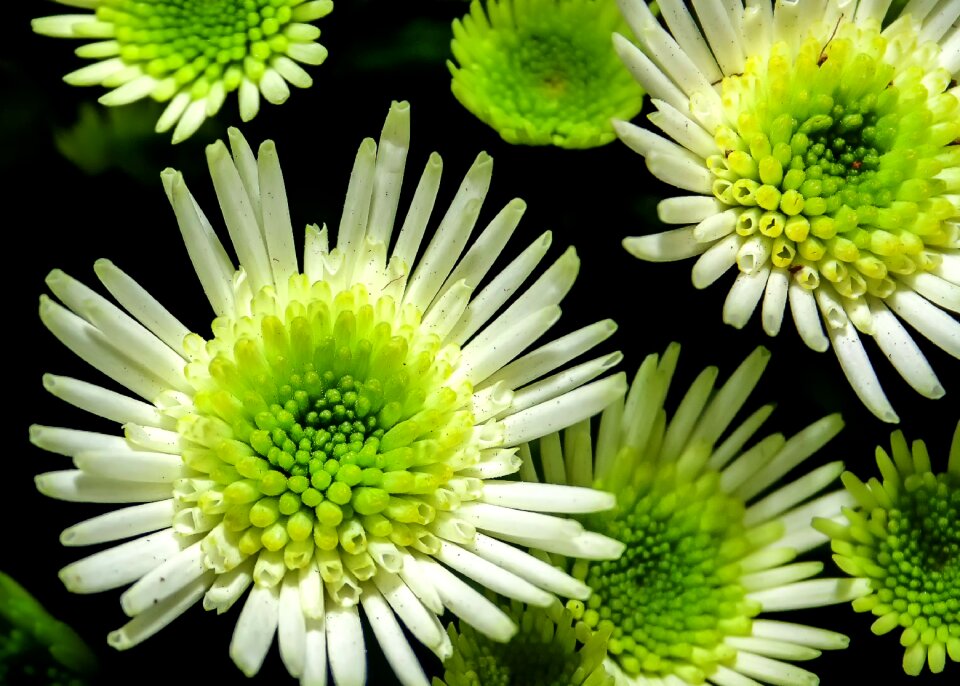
pixel 550 649
pixel 903 539
pixel 544 72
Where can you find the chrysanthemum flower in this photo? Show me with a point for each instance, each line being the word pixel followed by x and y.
pixel 710 541
pixel 903 538
pixel 551 649
pixel 542 72
pixel 193 53
pixel 337 443
pixel 822 152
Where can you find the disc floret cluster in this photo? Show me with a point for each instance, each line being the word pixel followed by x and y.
pixel 193 54
pixel 903 537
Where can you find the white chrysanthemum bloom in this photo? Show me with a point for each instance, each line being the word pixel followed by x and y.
pixel 822 153
pixel 711 538
pixel 340 439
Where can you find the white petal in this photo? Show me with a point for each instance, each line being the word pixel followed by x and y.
pixel 121 564
pixel 468 604
pixel 546 497
pixel 853 358
pixel 122 523
pixel 390 636
pixel 345 649
pixel 525 565
pixel 146 624
pixel 164 580
pixel 806 594
pixel 292 625
pixel 489 575
pixel 666 246
pixel 255 628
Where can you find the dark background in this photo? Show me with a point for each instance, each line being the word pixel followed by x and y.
pixel 108 202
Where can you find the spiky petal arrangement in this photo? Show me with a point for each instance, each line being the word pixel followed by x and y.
pixel 903 538
pixel 822 153
pixel 710 540
pixel 338 442
pixel 551 649
pixel 193 54
pixel 542 72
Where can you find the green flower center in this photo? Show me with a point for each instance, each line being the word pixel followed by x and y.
pixel 326 427
pixel 920 555
pixel 544 72
pixel 674 594
pixel 840 161
pixel 203 42
pixel 544 652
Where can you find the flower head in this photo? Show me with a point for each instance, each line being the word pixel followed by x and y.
pixel 545 652
pixel 541 72
pixel 342 432
pixel 193 53
pixel 822 151
pixel 35 648
pixel 710 542
pixel 902 536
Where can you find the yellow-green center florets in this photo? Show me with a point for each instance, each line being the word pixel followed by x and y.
pixel 674 594
pixel 841 163
pixel 326 424
pixel 198 44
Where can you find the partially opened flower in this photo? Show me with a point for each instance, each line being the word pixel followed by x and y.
pixel 337 442
pixel 542 72
pixel 822 154
pixel 193 54
pixel 551 649
pixel 903 538
pixel 711 539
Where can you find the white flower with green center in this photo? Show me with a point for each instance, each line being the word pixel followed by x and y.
pixel 903 538
pixel 822 151
pixel 711 541
pixel 542 72
pixel 547 651
pixel 193 54
pixel 338 442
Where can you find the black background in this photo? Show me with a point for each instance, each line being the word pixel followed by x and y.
pixel 56 215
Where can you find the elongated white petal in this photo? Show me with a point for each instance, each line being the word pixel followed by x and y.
pixel 667 246
pixel 468 604
pixel 546 497
pixel 489 575
pixel 146 624
pixel 391 639
pixel 255 628
pixel 76 486
pixel 799 634
pixel 562 411
pixel 164 580
pixel 532 569
pixel 122 523
pixel 816 593
pixel 345 648
pixel 121 564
